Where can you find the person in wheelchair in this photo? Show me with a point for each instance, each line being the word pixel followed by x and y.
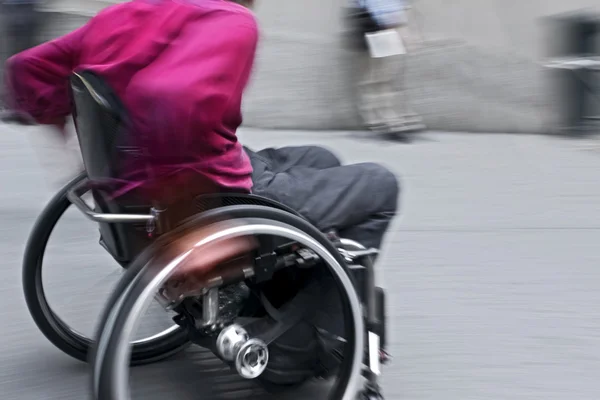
pixel 179 69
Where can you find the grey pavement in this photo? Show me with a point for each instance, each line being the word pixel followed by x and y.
pixel 492 270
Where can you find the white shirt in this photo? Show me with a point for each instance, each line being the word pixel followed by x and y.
pixel 385 12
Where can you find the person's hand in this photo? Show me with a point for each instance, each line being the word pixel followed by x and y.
pixel 16 117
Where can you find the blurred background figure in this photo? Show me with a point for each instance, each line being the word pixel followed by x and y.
pixel 20 24
pixel 378 35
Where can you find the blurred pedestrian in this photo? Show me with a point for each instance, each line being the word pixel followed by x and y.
pixel 19 23
pixel 377 30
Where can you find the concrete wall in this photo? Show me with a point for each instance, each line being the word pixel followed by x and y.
pixel 474 65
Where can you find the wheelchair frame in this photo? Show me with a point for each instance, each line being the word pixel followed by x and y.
pixel 351 251
pixel 98 109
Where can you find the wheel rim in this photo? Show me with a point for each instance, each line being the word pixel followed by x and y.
pixel 120 353
pixel 68 334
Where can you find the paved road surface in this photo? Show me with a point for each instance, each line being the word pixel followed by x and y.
pixel 493 270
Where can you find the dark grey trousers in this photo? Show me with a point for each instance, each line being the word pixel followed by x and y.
pixel 357 200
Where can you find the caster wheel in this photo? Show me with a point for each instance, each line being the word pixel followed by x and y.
pixel 230 340
pixel 251 359
pixel 250 356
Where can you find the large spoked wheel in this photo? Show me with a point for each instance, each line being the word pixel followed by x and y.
pixel 54 328
pixel 147 275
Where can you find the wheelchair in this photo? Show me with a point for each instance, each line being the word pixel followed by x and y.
pixel 136 237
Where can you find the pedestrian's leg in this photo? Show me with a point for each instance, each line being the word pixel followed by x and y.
pixel 387 93
pixel 402 96
pixel 406 118
pixel 380 95
pixel 366 90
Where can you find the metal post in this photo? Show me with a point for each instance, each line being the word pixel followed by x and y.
pixel 19 25
pixel 574 52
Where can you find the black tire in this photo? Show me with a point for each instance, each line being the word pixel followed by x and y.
pixel 105 356
pixel 382 315
pixel 50 324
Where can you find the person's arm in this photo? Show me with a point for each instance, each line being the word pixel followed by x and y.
pixel 37 79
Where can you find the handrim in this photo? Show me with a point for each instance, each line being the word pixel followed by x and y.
pixel 253 226
pixel 65 338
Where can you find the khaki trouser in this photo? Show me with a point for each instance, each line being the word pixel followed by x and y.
pixel 382 102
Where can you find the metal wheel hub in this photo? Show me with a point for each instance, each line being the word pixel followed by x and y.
pixel 230 340
pixel 252 359
pixel 250 356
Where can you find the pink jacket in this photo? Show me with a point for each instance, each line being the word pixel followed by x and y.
pixel 180 67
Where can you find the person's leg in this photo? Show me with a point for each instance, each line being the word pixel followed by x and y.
pixel 387 93
pixel 369 81
pixel 268 162
pixel 378 95
pixel 283 158
pixel 382 99
pixel 359 201
pixel 396 100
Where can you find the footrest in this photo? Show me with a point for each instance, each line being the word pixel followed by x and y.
pixel 381 329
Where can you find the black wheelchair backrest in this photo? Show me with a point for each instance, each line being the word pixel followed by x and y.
pixel 101 124
pixel 102 129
